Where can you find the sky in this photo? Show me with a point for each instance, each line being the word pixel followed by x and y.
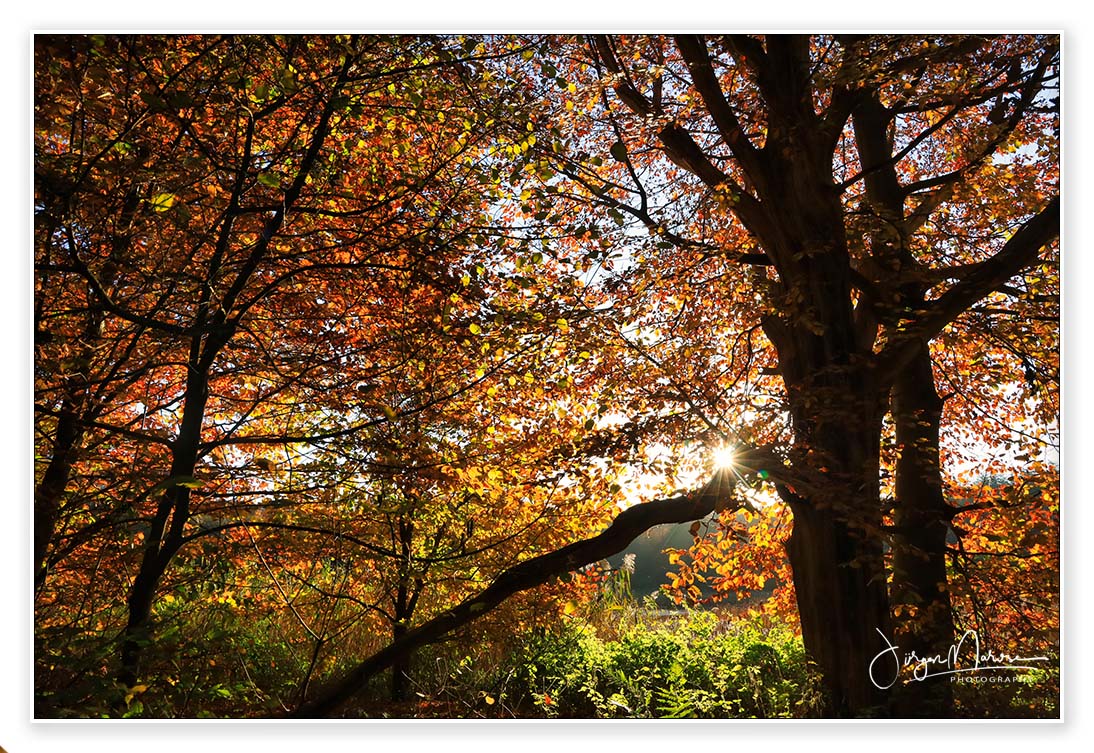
pixel 19 735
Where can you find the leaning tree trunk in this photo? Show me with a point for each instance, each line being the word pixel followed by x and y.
pixel 166 531
pixel 627 526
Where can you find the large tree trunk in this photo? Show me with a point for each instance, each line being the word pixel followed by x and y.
pixel 923 617
pixel 836 406
pixel 840 586
pixel 838 564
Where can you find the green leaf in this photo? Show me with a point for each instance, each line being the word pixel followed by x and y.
pixel 619 151
pixel 269 179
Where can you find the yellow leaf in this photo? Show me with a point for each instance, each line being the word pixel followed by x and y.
pixel 161 202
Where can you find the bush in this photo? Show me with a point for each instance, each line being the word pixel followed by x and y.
pixel 694 666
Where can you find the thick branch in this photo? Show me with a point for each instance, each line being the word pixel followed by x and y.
pixel 630 96
pixel 694 51
pixel 1018 253
pixel 682 149
pixel 627 526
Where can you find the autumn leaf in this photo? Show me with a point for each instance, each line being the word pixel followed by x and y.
pixel 161 202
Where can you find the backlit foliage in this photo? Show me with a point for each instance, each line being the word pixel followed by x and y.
pixel 333 331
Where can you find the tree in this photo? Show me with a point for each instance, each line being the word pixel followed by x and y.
pixel 835 156
pixel 243 215
pixel 355 316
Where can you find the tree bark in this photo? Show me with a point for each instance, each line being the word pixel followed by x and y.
pixel 400 669
pixel 837 560
pixel 840 586
pixel 161 546
pixel 923 616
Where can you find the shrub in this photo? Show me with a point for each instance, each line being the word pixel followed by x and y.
pixel 694 666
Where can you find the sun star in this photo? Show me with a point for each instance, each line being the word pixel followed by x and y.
pixel 723 457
